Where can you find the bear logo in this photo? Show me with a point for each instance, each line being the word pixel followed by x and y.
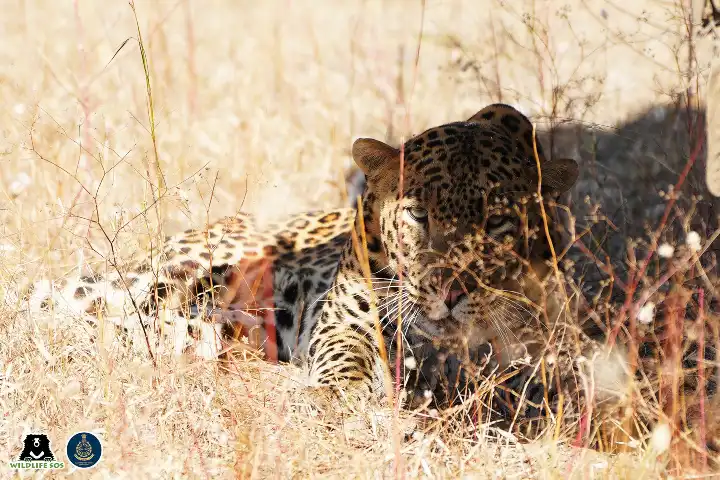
pixel 37 449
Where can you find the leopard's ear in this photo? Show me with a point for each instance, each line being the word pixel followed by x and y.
pixel 375 157
pixel 559 176
pixel 496 112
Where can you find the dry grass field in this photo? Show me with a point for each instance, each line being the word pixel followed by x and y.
pixel 254 107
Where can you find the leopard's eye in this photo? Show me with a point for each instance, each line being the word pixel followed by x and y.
pixel 499 224
pixel 495 221
pixel 417 214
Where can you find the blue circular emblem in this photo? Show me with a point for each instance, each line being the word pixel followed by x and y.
pixel 84 450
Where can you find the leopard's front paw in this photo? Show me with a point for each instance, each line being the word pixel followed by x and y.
pixel 345 398
pixel 323 403
pixel 324 399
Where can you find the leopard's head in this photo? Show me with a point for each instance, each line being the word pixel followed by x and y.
pixel 450 217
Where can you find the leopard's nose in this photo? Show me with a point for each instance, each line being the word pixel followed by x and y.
pixel 453 297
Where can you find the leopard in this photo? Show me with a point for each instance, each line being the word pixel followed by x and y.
pixel 449 251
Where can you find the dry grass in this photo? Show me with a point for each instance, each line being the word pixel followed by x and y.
pixel 255 106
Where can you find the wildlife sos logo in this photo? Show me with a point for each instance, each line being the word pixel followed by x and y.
pixel 36 454
pixel 84 450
